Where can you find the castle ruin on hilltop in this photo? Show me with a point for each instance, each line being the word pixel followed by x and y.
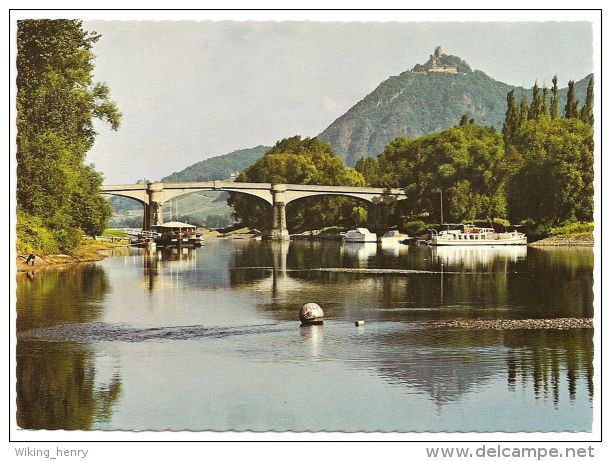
pixel 435 64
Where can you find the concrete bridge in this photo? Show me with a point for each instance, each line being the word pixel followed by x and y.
pixel 154 195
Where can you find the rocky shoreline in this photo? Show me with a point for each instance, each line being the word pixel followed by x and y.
pixel 582 239
pixel 522 324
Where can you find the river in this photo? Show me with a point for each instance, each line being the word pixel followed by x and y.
pixel 210 339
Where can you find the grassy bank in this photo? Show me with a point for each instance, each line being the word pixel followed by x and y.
pixel 89 250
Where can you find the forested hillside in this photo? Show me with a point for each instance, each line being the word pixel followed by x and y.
pixel 218 168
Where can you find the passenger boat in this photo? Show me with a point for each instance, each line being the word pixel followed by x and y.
pixel 359 235
pixel 176 233
pixel 468 234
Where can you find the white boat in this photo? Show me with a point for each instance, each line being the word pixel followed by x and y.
pixel 468 234
pixel 359 235
pixel 393 237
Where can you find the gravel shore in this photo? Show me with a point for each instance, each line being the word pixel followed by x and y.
pixel 523 324
pixel 584 239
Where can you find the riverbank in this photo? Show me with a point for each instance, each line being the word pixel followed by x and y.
pixel 578 239
pixel 89 251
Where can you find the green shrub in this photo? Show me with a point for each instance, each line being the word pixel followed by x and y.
pixel 414 228
pixel 573 228
pixel 32 236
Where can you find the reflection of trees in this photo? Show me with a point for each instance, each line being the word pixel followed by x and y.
pixel 55 382
pixel 70 295
pixel 542 356
pixel 448 364
pixel 554 280
pixel 56 390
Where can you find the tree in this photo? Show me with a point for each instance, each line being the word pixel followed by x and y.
pixel 535 105
pixel 368 167
pixel 555 182
pixel 512 118
pixel 570 109
pixel 554 110
pixel 297 161
pixel 466 164
pixel 56 104
pixel 587 111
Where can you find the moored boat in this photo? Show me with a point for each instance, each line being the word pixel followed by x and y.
pixel 359 235
pixel 176 233
pixel 394 237
pixel 468 234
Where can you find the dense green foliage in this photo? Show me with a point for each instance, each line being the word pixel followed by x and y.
pixel 297 161
pixel 463 166
pixel 56 104
pixel 554 176
pixel 218 168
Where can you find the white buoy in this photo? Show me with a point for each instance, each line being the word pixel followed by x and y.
pixel 311 314
pixel 359 323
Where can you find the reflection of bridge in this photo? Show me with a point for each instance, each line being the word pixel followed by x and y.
pixel 153 196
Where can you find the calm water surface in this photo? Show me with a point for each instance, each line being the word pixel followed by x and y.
pixel 210 339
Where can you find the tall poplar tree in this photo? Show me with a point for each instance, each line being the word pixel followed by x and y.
pixel 570 109
pixel 57 101
pixel 554 108
pixel 512 119
pixel 535 105
pixel 587 111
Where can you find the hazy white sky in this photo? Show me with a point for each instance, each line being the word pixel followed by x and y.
pixel 194 88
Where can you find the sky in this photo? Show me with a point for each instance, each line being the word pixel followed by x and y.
pixel 194 86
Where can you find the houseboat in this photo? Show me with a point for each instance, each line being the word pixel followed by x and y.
pixel 176 233
pixel 468 234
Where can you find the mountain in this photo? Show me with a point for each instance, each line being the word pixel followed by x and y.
pixel 428 98
pixel 218 168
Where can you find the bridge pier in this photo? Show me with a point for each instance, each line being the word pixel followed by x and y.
pixel 278 229
pixel 153 211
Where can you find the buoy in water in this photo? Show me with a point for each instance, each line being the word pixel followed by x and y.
pixel 359 323
pixel 311 314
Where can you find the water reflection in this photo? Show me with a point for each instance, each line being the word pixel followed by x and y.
pixel 313 336
pixel 478 257
pixel 451 363
pixel 71 294
pixel 234 306
pixel 361 251
pixel 57 388
pixel 165 265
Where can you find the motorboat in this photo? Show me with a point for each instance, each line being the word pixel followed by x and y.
pixel 359 235
pixel 468 234
pixel 394 237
